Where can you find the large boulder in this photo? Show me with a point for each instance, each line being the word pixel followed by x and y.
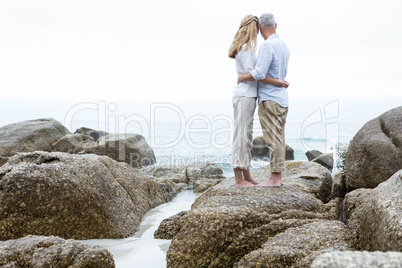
pixel 94 134
pixel 375 215
pixel 299 246
pixel 41 251
pixel 74 196
pixel 375 152
pixel 129 148
pixel 32 135
pixel 352 259
pixel 225 223
pixel 260 149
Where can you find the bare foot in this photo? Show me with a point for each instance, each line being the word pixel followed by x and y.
pixel 243 184
pixel 251 180
pixel 247 177
pixel 274 181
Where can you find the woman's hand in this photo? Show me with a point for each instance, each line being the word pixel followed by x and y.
pixel 239 77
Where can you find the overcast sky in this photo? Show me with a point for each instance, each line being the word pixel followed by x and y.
pixel 176 51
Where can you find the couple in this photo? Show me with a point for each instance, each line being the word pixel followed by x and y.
pixel 261 76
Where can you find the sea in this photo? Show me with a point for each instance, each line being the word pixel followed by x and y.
pixel 181 137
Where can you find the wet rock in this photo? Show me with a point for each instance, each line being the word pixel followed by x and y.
pixel 359 259
pixel 129 148
pixel 375 152
pixel 375 215
pixel 325 160
pixel 32 135
pixel 169 227
pixel 41 251
pixel 338 185
pixel 313 154
pixel 75 196
pixel 94 134
pixel 298 247
pixel 260 150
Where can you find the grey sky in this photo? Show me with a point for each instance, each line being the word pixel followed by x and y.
pixel 176 51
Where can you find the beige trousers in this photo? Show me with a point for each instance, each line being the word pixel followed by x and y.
pixel 273 119
pixel 244 108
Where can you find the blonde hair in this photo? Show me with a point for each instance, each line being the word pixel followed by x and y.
pixel 247 34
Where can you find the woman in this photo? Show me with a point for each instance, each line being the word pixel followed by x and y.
pixel 244 99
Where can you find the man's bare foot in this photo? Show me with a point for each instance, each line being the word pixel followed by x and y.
pixel 243 184
pixel 274 181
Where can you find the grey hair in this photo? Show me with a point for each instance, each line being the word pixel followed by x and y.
pixel 267 19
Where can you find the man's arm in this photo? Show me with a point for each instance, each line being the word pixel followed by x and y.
pixel 266 80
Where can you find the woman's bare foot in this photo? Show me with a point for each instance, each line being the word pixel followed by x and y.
pixel 247 177
pixel 239 180
pixel 243 184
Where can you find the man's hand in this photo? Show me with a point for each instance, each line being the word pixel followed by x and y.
pixel 286 84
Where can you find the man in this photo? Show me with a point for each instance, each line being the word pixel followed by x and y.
pixel 272 61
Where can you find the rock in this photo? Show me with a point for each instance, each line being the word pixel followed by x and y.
pixel 3 160
pixel 338 185
pixel 325 160
pixel 75 196
pixel 200 175
pixel 32 135
pixel 201 170
pixel 95 134
pixel 375 215
pixel 260 150
pixel 203 184
pixel 174 173
pixel 41 251
pixel 72 143
pixel 358 259
pixel 375 152
pixel 129 148
pixel 312 154
pixel 169 227
pixel 298 247
pixel 311 177
pixel 210 232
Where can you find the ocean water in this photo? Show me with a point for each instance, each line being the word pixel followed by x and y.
pixel 142 250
